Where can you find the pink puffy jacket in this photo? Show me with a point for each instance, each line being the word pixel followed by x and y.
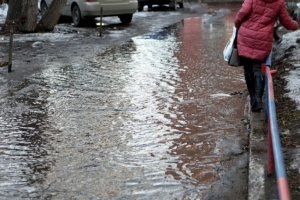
pixel 255 21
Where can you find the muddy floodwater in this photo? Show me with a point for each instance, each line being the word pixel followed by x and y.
pixel 159 117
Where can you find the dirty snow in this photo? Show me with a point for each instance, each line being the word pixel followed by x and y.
pixel 293 78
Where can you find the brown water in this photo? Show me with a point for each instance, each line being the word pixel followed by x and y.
pixel 150 119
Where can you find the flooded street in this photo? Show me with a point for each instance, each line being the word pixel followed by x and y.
pixel 160 117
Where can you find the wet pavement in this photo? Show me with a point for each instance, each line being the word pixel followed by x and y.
pixel 159 117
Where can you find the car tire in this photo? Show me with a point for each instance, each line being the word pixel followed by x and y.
pixel 44 8
pixel 173 5
pixel 140 7
pixel 76 16
pixel 125 19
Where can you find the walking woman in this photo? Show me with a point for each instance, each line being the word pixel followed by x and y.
pixel 255 23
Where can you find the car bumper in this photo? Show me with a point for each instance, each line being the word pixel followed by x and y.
pixel 94 9
pixel 154 2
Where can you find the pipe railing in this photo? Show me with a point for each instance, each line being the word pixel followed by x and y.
pixel 275 155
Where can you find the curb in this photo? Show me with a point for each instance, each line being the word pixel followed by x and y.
pixel 258 157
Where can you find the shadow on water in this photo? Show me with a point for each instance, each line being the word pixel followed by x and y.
pixel 150 119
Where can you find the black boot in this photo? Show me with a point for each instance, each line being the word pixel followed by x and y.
pixel 249 78
pixel 259 91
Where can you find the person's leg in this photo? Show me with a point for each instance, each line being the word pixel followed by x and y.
pixel 249 78
pixel 259 82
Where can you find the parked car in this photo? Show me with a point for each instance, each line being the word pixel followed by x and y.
pixel 82 10
pixel 149 3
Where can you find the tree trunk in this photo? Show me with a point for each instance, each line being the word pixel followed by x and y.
pixel 28 18
pixel 51 17
pixel 14 11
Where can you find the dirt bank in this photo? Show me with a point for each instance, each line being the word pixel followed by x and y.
pixel 288 116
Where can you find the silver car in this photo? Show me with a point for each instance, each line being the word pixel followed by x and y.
pixel 82 10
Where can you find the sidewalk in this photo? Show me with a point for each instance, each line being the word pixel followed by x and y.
pixel 260 186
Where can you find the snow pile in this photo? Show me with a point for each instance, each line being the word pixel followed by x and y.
pixel 293 77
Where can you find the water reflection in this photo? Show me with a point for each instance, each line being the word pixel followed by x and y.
pixel 208 114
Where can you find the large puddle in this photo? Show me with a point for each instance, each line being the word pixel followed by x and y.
pixel 151 119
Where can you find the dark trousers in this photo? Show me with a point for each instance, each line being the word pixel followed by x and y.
pixel 255 82
pixel 252 66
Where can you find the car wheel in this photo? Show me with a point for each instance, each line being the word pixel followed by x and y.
pixel 173 5
pixel 125 19
pixel 76 16
pixel 140 7
pixel 44 8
